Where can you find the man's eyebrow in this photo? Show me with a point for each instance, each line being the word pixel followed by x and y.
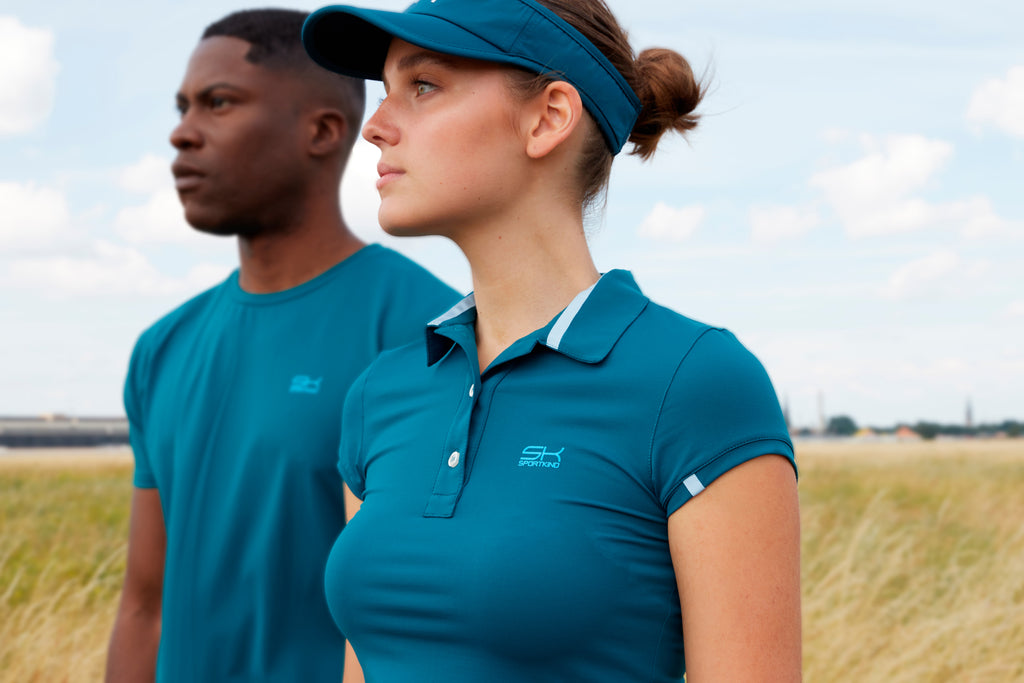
pixel 205 92
pixel 422 57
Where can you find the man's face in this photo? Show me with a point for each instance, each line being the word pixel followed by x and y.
pixel 242 165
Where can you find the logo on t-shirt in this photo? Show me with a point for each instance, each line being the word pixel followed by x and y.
pixel 540 456
pixel 304 384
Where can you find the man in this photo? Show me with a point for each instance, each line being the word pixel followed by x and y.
pixel 234 398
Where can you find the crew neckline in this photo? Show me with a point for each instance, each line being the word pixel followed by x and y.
pixel 271 298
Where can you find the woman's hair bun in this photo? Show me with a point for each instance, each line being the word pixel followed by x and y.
pixel 669 93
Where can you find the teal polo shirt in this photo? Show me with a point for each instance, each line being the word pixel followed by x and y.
pixel 513 524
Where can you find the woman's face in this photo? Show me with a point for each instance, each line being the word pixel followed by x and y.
pixel 452 156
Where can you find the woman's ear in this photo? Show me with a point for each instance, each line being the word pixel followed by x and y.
pixel 327 132
pixel 553 116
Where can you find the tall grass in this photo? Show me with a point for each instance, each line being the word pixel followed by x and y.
pixel 913 561
pixel 63 526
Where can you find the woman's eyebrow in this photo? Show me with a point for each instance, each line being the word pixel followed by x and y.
pixel 415 59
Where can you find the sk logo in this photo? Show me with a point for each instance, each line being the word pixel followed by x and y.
pixel 303 384
pixel 540 456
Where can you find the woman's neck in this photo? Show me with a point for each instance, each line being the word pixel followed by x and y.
pixel 524 272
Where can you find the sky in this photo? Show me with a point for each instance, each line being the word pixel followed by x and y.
pixel 850 206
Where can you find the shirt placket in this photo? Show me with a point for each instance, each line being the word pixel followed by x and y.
pixel 451 474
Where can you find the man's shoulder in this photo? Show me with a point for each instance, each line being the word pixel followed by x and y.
pixel 187 311
pixel 378 260
pixel 388 276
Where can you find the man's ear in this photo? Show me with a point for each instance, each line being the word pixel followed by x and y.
pixel 328 131
pixel 552 115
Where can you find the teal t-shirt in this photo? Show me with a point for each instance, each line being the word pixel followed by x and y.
pixel 514 522
pixel 233 402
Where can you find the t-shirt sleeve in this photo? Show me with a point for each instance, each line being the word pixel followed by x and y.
pixel 350 456
pixel 719 411
pixel 419 299
pixel 134 384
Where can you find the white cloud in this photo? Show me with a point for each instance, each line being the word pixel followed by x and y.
pixel 159 221
pixel 977 218
pixel 672 224
pixel 921 276
pixel 28 77
pixel 775 223
pixel 870 195
pixel 943 371
pixel 109 269
pixel 32 216
pixel 1015 309
pixel 1000 103
pixel 205 275
pixel 877 194
pixel 835 136
pixel 149 174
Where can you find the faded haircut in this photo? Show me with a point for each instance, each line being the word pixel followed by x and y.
pixel 276 39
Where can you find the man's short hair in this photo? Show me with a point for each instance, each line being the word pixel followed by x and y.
pixel 276 39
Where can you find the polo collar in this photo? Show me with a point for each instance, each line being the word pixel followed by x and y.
pixel 586 330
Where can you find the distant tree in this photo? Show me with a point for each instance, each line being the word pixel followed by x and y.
pixel 928 430
pixel 1012 428
pixel 841 425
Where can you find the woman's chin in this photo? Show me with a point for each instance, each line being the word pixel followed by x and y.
pixel 402 230
pixel 401 226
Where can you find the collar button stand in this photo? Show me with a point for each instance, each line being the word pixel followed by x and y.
pixel 453 459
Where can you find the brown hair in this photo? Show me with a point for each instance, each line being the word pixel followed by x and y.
pixel 661 78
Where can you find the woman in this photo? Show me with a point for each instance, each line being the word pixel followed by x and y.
pixel 573 483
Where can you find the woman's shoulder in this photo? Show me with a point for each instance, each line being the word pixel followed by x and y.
pixel 666 331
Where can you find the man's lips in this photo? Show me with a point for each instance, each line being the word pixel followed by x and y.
pixel 186 177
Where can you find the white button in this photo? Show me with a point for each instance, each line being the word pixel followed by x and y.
pixel 453 459
pixel 471 387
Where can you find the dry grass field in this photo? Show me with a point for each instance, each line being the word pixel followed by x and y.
pixel 64 522
pixel 913 561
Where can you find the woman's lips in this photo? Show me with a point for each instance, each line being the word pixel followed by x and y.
pixel 388 174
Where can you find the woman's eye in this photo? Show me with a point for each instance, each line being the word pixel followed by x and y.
pixel 422 87
pixel 218 102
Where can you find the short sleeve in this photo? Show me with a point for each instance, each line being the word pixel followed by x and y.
pixel 414 297
pixel 351 463
pixel 143 477
pixel 719 411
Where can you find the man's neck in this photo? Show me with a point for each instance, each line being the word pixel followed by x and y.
pixel 282 260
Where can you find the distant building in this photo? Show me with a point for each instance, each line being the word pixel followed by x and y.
pixel 866 433
pixel 905 433
pixel 821 413
pixel 61 431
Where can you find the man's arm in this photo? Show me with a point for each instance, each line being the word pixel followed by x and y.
pixel 131 657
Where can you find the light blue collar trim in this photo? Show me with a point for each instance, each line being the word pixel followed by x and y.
pixel 561 325
pixel 455 311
